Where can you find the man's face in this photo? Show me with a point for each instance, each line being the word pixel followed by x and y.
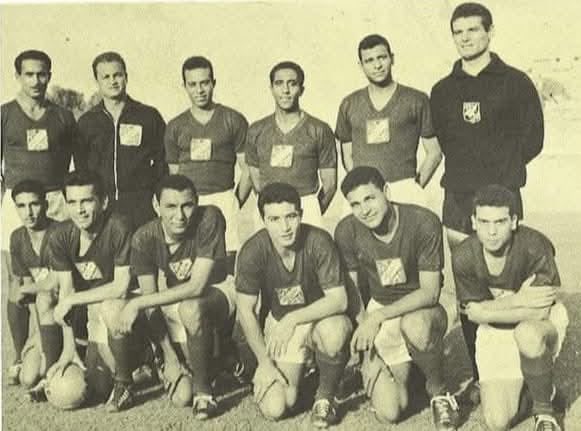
pixel 111 79
pixel 84 206
pixel 176 209
pixel 282 222
pixel 286 89
pixel 470 37
pixel 34 77
pixel 200 86
pixel 376 63
pixel 494 227
pixel 31 209
pixel 369 205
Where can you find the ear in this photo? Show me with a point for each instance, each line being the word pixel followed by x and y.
pixel 49 77
pixel 473 220
pixel 214 83
pixel 387 191
pixel 491 31
pixel 513 222
pixel 105 203
pixel 302 90
pixel 155 204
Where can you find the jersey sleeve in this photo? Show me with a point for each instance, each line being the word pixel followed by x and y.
pixel 343 128
pixel 542 264
pixel 121 244
pixel 468 287
pixel 210 235
pixel 18 267
pixel 240 132
pixel 327 148
pixel 170 142
pixel 327 261
pixel 142 254
pixel 251 150
pixel 345 239
pixel 430 249
pixel 529 112
pixel 249 269
pixel 59 248
pixel 158 159
pixel 81 144
pixel 425 116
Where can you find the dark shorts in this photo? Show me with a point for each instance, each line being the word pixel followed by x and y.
pixel 458 209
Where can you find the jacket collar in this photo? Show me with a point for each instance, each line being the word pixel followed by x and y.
pixel 496 66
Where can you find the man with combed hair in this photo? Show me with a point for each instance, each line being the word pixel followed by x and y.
pixel 295 268
pixel 489 122
pixel 398 248
pixel 186 243
pixel 506 279
pixel 37 142
pixel 381 125
pixel 122 140
pixel 293 147
pixel 32 287
pixel 89 255
pixel 205 143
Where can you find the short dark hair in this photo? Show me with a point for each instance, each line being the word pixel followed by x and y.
pixel 466 10
pixel 85 178
pixel 175 182
pixel 275 193
pixel 197 62
pixel 108 57
pixel 360 176
pixel 29 186
pixel 495 195
pixel 372 41
pixel 32 54
pixel 288 65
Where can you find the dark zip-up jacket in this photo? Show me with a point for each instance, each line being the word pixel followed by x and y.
pixel 489 126
pixel 129 156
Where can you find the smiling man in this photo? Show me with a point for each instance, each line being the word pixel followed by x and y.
pixel 122 140
pixel 381 125
pixel 489 122
pixel 398 248
pixel 295 268
pixel 506 279
pixel 293 147
pixel 205 143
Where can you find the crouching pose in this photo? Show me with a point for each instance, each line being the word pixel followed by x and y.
pixel 399 249
pixel 186 244
pixel 295 267
pixel 505 279
pixel 89 255
pixel 33 287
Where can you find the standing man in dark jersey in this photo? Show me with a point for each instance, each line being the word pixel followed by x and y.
pixel 122 140
pixel 489 122
pixel 37 142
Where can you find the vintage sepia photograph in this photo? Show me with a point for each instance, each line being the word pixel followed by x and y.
pixel 290 214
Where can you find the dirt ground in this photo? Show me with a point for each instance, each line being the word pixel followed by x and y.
pixel 154 412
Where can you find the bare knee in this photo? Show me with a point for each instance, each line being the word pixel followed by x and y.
pixel 191 313
pixel 274 403
pixel 31 367
pixel 530 339
pixel 45 303
pixel 423 328
pixel 497 420
pixel 385 400
pixel 332 333
pixel 183 394
pixel 110 310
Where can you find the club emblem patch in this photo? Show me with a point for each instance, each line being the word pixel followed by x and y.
pixel 281 156
pixel 292 295
pixel 200 149
pixel 36 140
pixel 130 135
pixel 181 269
pixel 89 270
pixel 391 271
pixel 39 273
pixel 378 131
pixel 471 112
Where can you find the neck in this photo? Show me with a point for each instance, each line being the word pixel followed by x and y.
pixel 94 229
pixel 171 238
pixel 115 104
pixel 30 102
pixel 204 109
pixel 386 86
pixel 473 66
pixel 388 225
pixel 283 115
pixel 40 228
pixel 283 251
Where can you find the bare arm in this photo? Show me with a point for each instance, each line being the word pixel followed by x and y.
pixel 33 287
pixel 173 168
pixel 334 302
pixel 347 155
pixel 66 290
pixel 244 184
pixel 255 177
pixel 481 313
pixel 329 187
pixel 431 161
pixel 250 325
pixel 115 289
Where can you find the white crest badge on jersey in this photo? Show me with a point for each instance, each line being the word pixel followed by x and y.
pixel 182 268
pixel 130 135
pixel 89 270
pixel 200 149
pixel 292 295
pixel 39 273
pixel 391 271
pixel 378 131
pixel 36 140
pixel 471 112
pixel 281 156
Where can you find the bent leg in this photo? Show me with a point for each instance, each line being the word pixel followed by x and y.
pixel 279 398
pixel 51 334
pixel 500 400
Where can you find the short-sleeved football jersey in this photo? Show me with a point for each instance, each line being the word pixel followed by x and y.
pixel 316 268
pixel 530 253
pixel 386 139
pixel 293 157
pixel 96 267
pixel 204 238
pixel 392 269
pixel 25 261
pixel 206 153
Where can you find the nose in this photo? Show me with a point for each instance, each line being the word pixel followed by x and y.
pixel 30 211
pixel 492 230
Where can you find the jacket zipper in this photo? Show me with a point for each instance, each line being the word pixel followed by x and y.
pixel 115 180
